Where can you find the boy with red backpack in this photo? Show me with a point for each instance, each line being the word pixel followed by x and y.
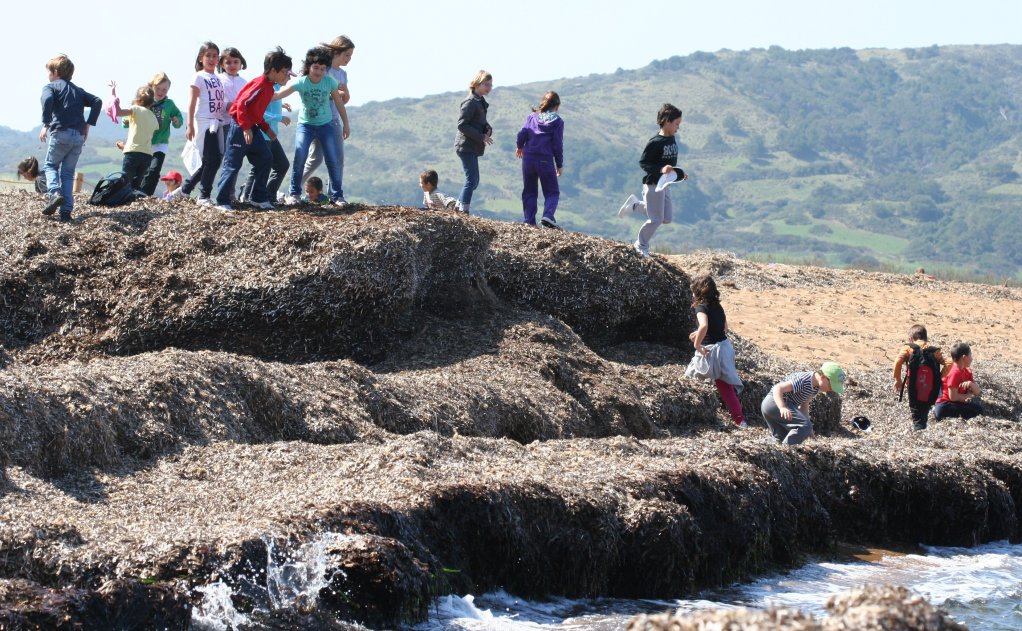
pixel 927 366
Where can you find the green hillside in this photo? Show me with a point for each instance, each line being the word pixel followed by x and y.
pixel 894 158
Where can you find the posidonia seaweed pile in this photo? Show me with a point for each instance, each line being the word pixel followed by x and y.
pixel 459 404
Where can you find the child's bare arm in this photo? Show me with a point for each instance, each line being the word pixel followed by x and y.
pixel 339 102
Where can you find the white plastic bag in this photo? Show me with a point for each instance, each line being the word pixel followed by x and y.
pixel 192 156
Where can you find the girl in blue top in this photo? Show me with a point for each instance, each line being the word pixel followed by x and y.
pixel 317 91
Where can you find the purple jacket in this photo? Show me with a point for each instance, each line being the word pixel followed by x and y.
pixel 542 136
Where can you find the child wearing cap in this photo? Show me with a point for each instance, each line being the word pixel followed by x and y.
pixel 786 407
pixel 173 180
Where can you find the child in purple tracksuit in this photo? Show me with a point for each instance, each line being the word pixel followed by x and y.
pixel 541 148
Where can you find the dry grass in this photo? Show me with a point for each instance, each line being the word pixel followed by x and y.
pixel 179 384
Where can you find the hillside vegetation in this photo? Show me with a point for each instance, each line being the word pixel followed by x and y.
pixel 872 158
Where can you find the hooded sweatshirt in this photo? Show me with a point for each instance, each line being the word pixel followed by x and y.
pixel 542 136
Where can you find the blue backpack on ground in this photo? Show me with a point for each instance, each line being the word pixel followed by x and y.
pixel 114 190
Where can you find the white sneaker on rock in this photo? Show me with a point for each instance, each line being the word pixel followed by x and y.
pixel 641 249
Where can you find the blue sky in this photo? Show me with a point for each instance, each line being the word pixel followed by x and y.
pixel 410 48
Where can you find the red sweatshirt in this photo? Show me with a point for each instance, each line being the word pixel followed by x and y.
pixel 250 104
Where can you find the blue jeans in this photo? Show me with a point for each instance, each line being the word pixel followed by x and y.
pixel 62 152
pixel 328 142
pixel 258 153
pixel 470 164
pixel 278 169
pixel 316 156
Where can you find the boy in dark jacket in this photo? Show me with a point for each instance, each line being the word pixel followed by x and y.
pixel 64 132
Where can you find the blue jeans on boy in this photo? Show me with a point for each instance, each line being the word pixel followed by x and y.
pixel 469 164
pixel 62 152
pixel 303 138
pixel 278 169
pixel 258 153
pixel 536 171
pixel 316 156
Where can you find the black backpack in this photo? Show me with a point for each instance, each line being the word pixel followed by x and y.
pixel 923 380
pixel 114 190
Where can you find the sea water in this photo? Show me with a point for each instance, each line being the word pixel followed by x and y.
pixel 980 587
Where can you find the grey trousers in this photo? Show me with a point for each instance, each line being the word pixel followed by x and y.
pixel 792 432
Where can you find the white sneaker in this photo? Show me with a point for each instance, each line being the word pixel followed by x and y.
pixel 204 201
pixel 743 425
pixel 641 249
pixel 263 205
pixel 628 207
pixel 225 207
pixel 290 200
pixel 340 202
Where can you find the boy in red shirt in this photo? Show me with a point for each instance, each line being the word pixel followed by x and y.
pixel 246 113
pixel 958 399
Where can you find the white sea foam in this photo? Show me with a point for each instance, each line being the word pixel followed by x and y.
pixel 294 579
pixel 980 586
pixel 216 612
pixel 297 578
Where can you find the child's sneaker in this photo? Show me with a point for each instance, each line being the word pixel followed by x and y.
pixel 225 207
pixel 55 202
pixel 641 249
pixel 743 425
pixel 549 222
pixel 263 205
pixel 628 207
pixel 340 202
pixel 290 200
pixel 204 201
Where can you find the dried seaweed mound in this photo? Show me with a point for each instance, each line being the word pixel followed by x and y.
pixel 869 608
pixel 299 288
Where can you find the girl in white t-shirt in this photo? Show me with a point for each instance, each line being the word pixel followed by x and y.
pixel 231 63
pixel 205 122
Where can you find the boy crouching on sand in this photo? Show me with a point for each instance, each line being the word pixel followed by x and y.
pixel 786 407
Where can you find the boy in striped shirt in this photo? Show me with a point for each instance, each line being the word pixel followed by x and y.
pixel 786 407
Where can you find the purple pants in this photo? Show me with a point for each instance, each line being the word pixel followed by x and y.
pixel 538 171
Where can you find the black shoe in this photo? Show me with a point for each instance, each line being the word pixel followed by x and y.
pixel 63 218
pixel 548 222
pixel 56 201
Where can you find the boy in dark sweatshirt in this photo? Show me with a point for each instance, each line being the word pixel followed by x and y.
pixel 64 130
